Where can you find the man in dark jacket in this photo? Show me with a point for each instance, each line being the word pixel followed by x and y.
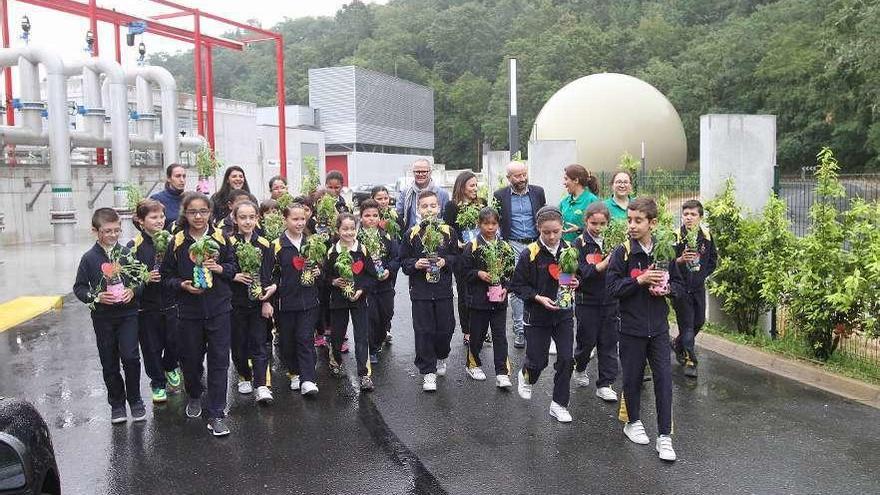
pixel 518 203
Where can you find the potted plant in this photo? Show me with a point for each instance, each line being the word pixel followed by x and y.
pixel 432 239
pixel 344 266
pixel 311 181
pixel 375 248
pixel 614 235
pixel 567 268
pixel 389 222
pixel 690 244
pixel 467 218
pixel 664 255
pixel 123 271
pixel 273 225
pixel 326 215
pixel 500 260
pixel 249 260
pixel 199 252
pixel 315 252
pixel 206 166
pixel 161 240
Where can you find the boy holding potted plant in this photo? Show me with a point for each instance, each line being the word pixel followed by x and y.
pixel 696 258
pixel 384 250
pixel 109 280
pixel 539 281
pixel 427 256
pixel 488 263
pixel 157 318
pixel 641 273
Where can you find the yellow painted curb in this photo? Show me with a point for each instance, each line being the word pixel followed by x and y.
pixel 22 309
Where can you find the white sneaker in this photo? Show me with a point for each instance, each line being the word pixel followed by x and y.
pixel 664 448
pixel 245 387
pixel 607 394
pixel 552 347
pixel 524 389
pixel 430 383
pixel 560 413
pixel 441 367
pixel 635 431
pixel 264 395
pixel 294 382
pixel 476 373
pixel 308 388
pixel 502 381
pixel 582 378
pixel 593 353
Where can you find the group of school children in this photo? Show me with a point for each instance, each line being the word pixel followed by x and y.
pixel 198 302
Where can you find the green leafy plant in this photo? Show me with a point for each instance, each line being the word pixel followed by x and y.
pixel 500 261
pixel 343 266
pixel 273 225
pixel 122 271
pixel 432 237
pixel 161 240
pixel 568 265
pixel 311 181
pixel 372 240
pixel 206 162
pixel 468 215
pixel 285 200
pixel 664 245
pixel 568 260
pixel 691 236
pixel 249 260
pixel 389 222
pixel 315 252
pixel 630 165
pixel 326 212
pixel 615 234
pixel 200 251
pixel 133 196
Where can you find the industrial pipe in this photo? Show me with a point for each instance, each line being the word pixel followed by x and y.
pixel 168 89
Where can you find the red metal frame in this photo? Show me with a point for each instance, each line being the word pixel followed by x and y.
pixel 199 40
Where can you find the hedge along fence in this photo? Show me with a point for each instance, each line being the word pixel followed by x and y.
pixel 828 281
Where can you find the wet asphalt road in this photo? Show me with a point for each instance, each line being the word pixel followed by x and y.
pixel 737 430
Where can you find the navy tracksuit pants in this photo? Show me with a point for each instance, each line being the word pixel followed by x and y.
pixel 296 331
pixel 690 314
pixel 117 340
pixel 481 321
pixel 157 332
pixel 250 345
pixel 381 313
pixel 633 353
pixel 537 355
pixel 433 324
pixel 360 320
pixel 597 326
pixel 209 336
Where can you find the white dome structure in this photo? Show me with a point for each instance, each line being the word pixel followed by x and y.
pixel 612 114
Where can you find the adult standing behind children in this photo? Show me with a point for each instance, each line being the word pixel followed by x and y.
pixel 233 179
pixel 519 201
pixel 621 190
pixel 175 183
pixel 407 201
pixel 582 187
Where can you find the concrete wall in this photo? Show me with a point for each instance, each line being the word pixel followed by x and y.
pixel 300 142
pixel 547 159
pixel 235 137
pixel 378 168
pixel 495 167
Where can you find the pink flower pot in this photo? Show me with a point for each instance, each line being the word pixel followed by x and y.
pixel 496 293
pixel 565 278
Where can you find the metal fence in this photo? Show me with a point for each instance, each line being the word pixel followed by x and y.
pixel 799 193
pixel 857 345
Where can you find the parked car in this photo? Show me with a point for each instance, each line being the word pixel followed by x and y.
pixel 363 192
pixel 27 459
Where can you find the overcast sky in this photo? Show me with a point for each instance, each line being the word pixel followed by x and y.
pixel 66 33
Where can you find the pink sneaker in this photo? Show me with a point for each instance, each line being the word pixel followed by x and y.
pixel 320 341
pixel 344 347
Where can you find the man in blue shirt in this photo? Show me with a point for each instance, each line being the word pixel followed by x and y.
pixel 407 201
pixel 519 202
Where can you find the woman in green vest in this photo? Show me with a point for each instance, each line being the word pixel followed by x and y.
pixel 582 187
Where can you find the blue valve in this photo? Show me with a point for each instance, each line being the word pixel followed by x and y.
pixel 133 115
pixel 80 109
pixel 16 103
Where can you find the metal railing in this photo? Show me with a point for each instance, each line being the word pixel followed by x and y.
pixel 799 193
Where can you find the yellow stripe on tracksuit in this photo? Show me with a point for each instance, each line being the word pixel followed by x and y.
pixel 622 413
pixel 471 361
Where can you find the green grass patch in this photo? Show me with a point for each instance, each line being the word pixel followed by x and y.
pixel 792 347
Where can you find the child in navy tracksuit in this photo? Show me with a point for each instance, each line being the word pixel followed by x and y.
pixel 297 307
pixel 251 307
pixel 596 311
pixel 204 312
pixel 114 316
pixel 430 289
pixel 157 319
pixel 644 331
pixel 536 282
pixel 487 298
pixel 349 297
pixel 695 265
pixel 382 294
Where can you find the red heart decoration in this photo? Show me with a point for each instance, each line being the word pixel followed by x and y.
pixel 553 268
pixel 382 224
pixel 357 267
pixel 299 262
pixel 636 272
pixel 594 259
pixel 107 269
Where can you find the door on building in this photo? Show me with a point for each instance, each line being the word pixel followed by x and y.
pixel 340 164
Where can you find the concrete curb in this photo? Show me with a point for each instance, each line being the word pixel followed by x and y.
pixel 806 373
pixel 22 309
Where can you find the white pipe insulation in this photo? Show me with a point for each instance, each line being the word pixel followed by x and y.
pixel 168 90
pixel 62 213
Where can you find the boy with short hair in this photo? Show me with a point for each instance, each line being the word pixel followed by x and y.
pixel 333 184
pixel 644 330
pixel 430 289
pixel 696 263
pixel 114 315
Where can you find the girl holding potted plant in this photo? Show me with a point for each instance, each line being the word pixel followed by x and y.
pixel 250 303
pixel 462 214
pixel 157 318
pixel 388 219
pixel 536 280
pixel 384 250
pixel 352 274
pixel 298 261
pixel 488 264
pixel 200 266
pixel 596 311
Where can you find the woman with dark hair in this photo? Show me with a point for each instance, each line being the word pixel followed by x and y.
pixel 277 187
pixel 582 187
pixel 462 213
pixel 621 190
pixel 233 179
pixel 175 183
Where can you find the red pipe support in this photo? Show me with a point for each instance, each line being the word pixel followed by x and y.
pixel 7 72
pixel 282 123
pixel 209 95
pixel 197 60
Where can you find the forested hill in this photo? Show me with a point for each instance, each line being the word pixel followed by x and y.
pixel 813 63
